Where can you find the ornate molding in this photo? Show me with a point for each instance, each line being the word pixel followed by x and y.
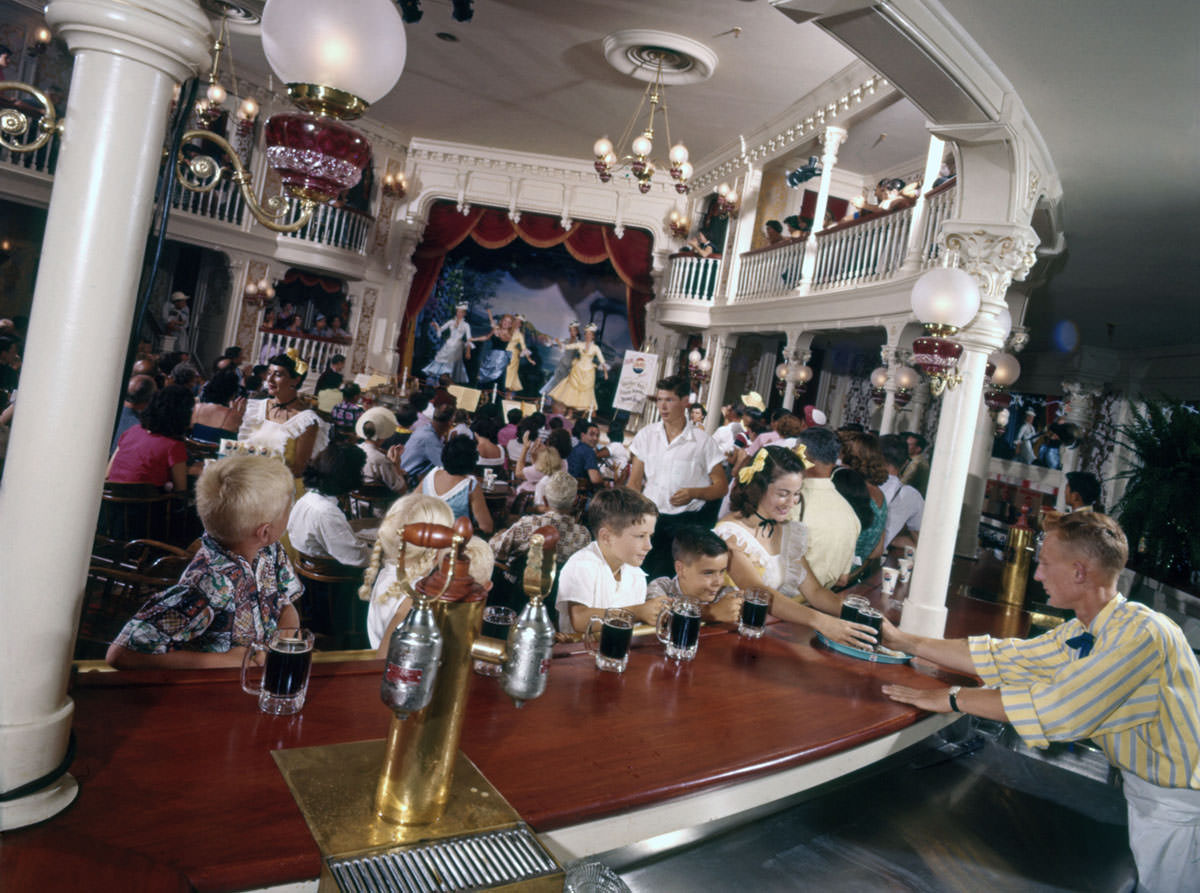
pixel 994 255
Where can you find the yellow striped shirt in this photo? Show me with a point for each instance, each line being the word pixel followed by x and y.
pixel 1137 695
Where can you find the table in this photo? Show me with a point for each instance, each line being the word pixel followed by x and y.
pixel 178 788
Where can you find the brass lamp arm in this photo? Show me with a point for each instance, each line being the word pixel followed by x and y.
pixel 203 174
pixel 14 123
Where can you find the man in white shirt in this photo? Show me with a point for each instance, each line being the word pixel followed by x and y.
pixel 905 505
pixel 833 526
pixel 679 468
pixel 724 436
pixel 317 526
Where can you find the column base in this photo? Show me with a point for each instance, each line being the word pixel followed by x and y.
pixel 923 620
pixel 40 806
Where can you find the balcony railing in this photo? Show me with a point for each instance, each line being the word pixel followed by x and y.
pixel 39 161
pixel 771 270
pixel 337 227
pixel 693 278
pixel 313 350
pixel 224 202
pixel 867 251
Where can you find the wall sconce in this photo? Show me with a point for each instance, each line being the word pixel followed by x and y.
pixel 395 185
pixel 678 225
pixel 5 251
pixel 907 379
pixel 699 367
pixel 879 379
pixel 1002 370
pixel 258 294
pixel 945 299
pixel 41 40
pixel 727 201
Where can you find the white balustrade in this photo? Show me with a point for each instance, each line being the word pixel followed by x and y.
pixel 314 351
pixel 866 251
pixel 335 227
pixel 693 278
pixel 223 202
pixel 939 205
pixel 770 271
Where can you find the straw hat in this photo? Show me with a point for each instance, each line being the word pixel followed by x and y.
pixel 382 418
pixel 754 400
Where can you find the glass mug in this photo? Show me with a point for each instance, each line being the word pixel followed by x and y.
pixel 752 622
pixel 679 628
pixel 284 684
pixel 497 622
pixel 616 632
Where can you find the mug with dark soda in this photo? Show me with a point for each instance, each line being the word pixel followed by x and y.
pixel 616 633
pixel 284 684
pixel 679 628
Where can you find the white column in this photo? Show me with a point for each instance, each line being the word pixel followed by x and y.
pixel 994 254
pixel 742 237
pixel 831 140
pixel 933 163
pixel 722 347
pixel 967 543
pixel 127 59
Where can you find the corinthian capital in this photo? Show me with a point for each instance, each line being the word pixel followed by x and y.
pixel 994 253
pixel 831 140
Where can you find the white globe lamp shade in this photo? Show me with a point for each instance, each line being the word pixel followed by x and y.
pixel 695 356
pixel 216 94
pixel 705 365
pixel 781 371
pixel 678 154
pixel 946 296
pixel 685 170
pixel 248 110
pixel 907 377
pixel 603 147
pixel 1004 320
pixel 879 377
pixel 359 51
pixel 642 146
pixel 1008 369
pixel 802 375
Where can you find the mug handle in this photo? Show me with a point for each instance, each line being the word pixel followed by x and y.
pixel 589 640
pixel 660 627
pixel 250 649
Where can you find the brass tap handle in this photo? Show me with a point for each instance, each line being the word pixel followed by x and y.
pixel 540 566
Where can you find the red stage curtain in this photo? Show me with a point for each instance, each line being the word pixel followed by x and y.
pixel 589 243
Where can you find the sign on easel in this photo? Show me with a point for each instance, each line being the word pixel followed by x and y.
pixel 639 373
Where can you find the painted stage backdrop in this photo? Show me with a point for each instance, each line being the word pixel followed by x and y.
pixel 550 288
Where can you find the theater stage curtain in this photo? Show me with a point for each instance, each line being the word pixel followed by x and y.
pixel 588 243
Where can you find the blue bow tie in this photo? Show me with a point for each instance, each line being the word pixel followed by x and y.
pixel 1084 642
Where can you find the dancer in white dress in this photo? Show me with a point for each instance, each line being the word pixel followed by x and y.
pixel 455 350
pixel 767 550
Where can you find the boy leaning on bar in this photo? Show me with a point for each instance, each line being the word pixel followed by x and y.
pixel 1119 673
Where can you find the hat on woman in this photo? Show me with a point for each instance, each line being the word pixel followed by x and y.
pixel 753 401
pixel 383 423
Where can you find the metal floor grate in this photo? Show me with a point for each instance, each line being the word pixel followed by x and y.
pixel 474 862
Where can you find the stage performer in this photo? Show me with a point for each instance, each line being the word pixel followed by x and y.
pixel 563 369
pixel 578 390
pixel 455 350
pixel 516 350
pixel 495 353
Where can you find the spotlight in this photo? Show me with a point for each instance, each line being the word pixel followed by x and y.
pixel 410 11
pixel 462 10
pixel 806 172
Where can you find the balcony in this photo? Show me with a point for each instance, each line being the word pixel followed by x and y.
pixel 311 349
pixel 871 253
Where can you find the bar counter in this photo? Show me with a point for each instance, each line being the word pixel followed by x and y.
pixel 178 789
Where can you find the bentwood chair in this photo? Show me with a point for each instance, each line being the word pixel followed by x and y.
pixel 330 606
pixel 111 596
pixel 137 511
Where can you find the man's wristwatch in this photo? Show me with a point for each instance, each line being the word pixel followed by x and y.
pixel 954 690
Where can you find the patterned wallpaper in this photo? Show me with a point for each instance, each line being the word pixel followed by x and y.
pixel 247 325
pixel 358 353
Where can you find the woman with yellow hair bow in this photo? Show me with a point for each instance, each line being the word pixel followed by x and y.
pixel 282 422
pixel 766 549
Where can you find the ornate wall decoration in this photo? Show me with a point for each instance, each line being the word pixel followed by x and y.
pixel 1097 450
pixel 995 256
pixel 248 314
pixel 857 407
pixel 358 354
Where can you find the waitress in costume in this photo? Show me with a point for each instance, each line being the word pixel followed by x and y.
pixel 495 356
pixel 455 350
pixel 563 369
pixel 282 422
pixel 578 390
pixel 516 350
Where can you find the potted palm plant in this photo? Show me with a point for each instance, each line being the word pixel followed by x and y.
pixel 1160 510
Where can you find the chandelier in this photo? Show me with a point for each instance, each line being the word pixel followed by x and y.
pixel 639 161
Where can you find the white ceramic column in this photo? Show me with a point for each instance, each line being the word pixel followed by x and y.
pixel 128 56
pixel 994 254
pixel 831 141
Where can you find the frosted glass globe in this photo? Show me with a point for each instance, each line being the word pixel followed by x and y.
pixel 1008 369
pixel 603 147
pixel 357 47
pixel 879 377
pixel 946 296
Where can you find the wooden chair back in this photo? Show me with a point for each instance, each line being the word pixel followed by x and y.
pixel 330 606
pixel 138 511
pixel 112 595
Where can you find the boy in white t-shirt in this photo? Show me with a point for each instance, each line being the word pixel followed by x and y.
pixel 607 573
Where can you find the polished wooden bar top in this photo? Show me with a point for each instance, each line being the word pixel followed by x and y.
pixel 178 787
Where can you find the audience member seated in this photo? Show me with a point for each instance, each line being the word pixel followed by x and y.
pixel 546 461
pixel 701 564
pixel 773 230
pixel 186 376
pixel 905 505
pixel 221 416
pixel 317 525
pixel 560 491
pixel 697 414
pixel 509 432
pixel 331 378
pixel 153 451
pixel 424 448
pixel 607 573
pixel 239 587
pixel 395 565
pixel 699 244
pixel 798 227
pixel 581 461
pixel 915 472
pixel 454 482
pixel 725 435
pixel 380 469
pixel 485 430
pixel 531 426
pixel 833 527
pixel 137 397
pixel 616 466
pixel 346 412
pixel 461 423
pixel 767 550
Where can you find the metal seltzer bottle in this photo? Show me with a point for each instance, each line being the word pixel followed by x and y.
pixel 530 645
pixel 414 652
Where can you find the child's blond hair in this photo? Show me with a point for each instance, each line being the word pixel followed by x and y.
pixel 412 562
pixel 237 494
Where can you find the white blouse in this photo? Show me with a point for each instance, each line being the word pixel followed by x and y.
pixel 783 572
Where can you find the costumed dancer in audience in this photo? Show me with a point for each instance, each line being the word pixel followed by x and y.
pixel 767 550
pixel 578 390
pixel 282 422
pixel 516 350
pixel 455 350
pixel 495 355
pixel 563 369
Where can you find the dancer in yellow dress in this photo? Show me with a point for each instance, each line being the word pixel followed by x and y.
pixel 516 350
pixel 578 389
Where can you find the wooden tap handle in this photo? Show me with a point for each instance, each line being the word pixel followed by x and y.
pixel 429 536
pixel 549 537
